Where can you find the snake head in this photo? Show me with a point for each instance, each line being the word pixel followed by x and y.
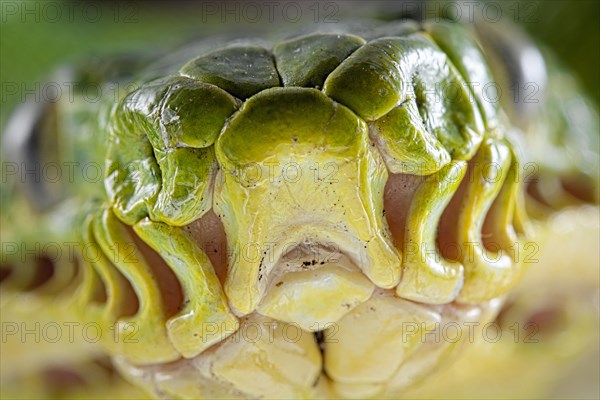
pixel 357 189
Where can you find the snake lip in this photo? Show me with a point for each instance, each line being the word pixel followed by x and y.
pixel 308 256
pixel 313 286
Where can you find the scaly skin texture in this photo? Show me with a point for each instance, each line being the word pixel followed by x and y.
pixel 295 221
pixel 548 329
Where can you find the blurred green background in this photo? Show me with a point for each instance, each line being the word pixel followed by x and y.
pixel 38 36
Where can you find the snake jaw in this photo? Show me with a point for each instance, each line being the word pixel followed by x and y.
pixel 381 168
pixel 318 187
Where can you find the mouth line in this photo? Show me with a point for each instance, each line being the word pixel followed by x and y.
pixel 312 285
pixel 308 256
pixel 323 275
pixel 213 365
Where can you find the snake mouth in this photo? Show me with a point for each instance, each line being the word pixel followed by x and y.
pixel 341 304
pixel 322 326
pixel 384 344
pixel 313 286
pixel 312 283
pixel 262 324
